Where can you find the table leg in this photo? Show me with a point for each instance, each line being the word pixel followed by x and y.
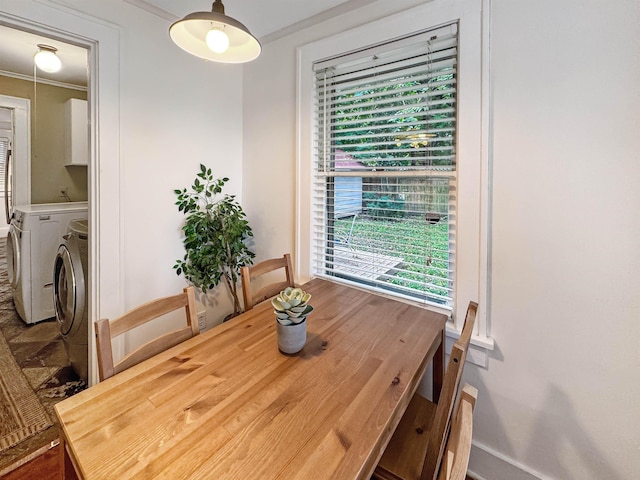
pixel 438 369
pixel 66 464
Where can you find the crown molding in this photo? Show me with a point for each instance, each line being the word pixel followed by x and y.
pixel 54 83
pixel 148 7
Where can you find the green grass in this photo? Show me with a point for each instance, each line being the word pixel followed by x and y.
pixel 422 246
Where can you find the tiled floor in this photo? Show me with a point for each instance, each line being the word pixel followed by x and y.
pixel 40 352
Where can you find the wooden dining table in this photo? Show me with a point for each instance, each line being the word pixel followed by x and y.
pixel 228 405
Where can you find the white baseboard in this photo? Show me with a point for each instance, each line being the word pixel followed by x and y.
pixel 488 464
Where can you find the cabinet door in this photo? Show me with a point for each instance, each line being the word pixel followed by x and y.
pixel 77 132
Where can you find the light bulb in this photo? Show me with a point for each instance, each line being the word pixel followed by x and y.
pixel 47 60
pixel 217 41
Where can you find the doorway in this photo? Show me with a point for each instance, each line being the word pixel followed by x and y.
pixel 48 187
pixel 62 23
pixel 102 41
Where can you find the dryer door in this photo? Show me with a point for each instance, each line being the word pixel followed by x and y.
pixel 68 299
pixel 13 256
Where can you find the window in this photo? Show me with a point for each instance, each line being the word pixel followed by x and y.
pixel 4 153
pixel 356 172
pixel 385 167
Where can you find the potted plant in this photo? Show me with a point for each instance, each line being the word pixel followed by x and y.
pixel 291 309
pixel 215 231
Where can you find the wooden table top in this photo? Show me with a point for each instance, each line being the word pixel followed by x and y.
pixel 227 404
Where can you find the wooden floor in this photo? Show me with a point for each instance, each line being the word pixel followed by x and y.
pixel 44 467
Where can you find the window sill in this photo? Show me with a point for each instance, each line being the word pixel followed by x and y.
pixel 479 349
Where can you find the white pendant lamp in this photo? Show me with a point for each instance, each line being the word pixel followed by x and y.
pixel 215 36
pixel 46 59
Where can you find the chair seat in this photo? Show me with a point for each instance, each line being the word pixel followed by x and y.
pixel 405 453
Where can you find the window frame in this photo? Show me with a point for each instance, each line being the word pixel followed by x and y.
pixel 410 59
pixel 472 251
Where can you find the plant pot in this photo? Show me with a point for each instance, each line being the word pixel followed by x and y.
pixel 291 338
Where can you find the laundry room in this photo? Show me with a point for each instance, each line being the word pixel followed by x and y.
pixel 44 151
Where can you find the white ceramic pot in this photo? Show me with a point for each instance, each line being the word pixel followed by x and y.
pixel 291 338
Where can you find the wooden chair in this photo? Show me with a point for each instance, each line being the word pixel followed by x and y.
pixel 252 296
pixel 456 454
pixel 416 448
pixel 106 330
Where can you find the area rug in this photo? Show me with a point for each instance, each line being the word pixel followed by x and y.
pixel 21 413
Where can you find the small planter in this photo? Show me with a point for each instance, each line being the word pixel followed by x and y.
pixel 291 308
pixel 291 338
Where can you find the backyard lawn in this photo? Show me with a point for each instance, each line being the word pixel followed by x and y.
pixel 422 246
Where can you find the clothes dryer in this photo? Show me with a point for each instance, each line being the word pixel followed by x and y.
pixel 71 295
pixel 34 235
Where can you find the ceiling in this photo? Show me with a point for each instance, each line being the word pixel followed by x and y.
pixel 264 19
pixel 260 17
pixel 18 47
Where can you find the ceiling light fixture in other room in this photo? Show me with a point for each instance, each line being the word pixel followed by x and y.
pixel 46 59
pixel 215 36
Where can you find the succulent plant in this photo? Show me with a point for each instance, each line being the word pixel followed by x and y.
pixel 292 306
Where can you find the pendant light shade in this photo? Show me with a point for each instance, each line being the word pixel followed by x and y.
pixel 215 36
pixel 46 59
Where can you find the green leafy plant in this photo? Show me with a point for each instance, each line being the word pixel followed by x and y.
pixel 292 306
pixel 215 231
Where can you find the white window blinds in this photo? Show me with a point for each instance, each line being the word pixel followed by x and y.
pixel 4 153
pixel 385 166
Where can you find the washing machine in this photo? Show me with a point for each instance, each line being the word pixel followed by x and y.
pixel 35 232
pixel 71 295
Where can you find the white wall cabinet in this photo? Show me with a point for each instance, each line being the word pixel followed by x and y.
pixel 76 132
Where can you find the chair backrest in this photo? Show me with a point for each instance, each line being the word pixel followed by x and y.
pixel 250 294
pixel 106 330
pixel 456 454
pixel 444 410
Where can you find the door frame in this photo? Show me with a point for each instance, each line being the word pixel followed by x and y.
pixel 102 40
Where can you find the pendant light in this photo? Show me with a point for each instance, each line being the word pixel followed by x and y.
pixel 46 59
pixel 215 36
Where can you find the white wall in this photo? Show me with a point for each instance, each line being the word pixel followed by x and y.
pixel 561 393
pixel 559 396
pixel 177 111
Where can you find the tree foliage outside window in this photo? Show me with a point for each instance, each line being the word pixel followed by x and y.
pixel 403 137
